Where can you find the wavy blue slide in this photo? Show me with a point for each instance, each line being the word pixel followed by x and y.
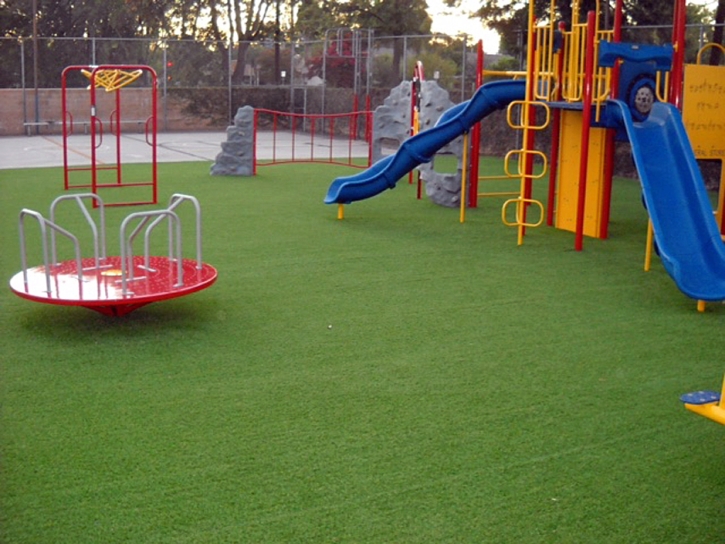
pixel 420 148
pixel 686 232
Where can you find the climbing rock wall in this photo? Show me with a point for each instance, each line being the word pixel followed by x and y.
pixel 391 127
pixel 391 121
pixel 237 155
pixel 442 188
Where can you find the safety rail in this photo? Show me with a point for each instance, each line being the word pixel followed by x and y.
pixel 546 56
pixel 574 69
pixel 174 201
pixel 294 131
pixel 99 232
pixel 44 224
pixel 127 267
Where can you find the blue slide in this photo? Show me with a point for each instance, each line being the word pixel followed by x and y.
pixel 685 229
pixel 420 148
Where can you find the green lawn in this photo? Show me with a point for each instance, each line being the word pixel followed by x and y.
pixel 468 390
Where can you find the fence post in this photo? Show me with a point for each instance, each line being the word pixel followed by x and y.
pixel 464 60
pixel 22 82
pixel 405 57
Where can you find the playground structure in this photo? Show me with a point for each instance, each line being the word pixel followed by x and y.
pixel 111 285
pixel 104 118
pixel 591 89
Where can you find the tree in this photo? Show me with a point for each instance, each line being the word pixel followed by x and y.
pixel 510 17
pixel 63 20
pixel 717 35
pixel 390 18
pixel 315 17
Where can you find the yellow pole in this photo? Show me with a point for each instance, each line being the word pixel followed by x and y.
pixel 463 177
pixel 701 306
pixel 526 122
pixel 648 249
pixel 520 210
pixel 721 197
pixel 341 211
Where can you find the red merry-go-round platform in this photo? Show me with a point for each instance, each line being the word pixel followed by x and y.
pixel 101 288
pixel 111 285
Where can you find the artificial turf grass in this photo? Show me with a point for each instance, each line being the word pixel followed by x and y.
pixel 469 389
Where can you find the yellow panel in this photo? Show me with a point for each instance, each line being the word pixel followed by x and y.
pixel 568 182
pixel 703 110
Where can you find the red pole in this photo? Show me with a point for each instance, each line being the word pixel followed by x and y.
pixel 94 173
pixel 274 137
pixel 608 173
pixel 66 133
pixel 119 181
pixel 475 159
pixel 154 128
pixel 255 126
pixel 294 132
pixel 586 130
pixel 678 61
pixel 413 99
pixel 555 137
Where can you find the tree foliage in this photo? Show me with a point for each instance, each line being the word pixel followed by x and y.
pixel 717 36
pixel 510 17
pixel 315 17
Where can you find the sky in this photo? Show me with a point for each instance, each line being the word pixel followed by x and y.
pixel 445 19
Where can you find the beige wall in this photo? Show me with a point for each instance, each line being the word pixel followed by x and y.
pixel 135 106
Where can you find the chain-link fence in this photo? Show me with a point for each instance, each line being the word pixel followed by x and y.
pixel 202 84
pixel 208 81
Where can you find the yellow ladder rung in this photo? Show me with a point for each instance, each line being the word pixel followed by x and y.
pixel 524 153
pixel 525 122
pixel 520 206
pixel 500 193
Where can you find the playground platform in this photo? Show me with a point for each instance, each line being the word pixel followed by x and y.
pixel 39 151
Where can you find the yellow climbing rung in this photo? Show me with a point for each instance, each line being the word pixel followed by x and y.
pixel 113 79
pixel 524 122
pixel 521 204
pixel 522 155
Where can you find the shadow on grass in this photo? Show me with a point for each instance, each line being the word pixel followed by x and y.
pixel 76 324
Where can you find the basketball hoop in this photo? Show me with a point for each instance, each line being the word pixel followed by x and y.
pixel 112 80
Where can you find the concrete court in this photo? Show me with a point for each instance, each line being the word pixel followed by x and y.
pixel 46 150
